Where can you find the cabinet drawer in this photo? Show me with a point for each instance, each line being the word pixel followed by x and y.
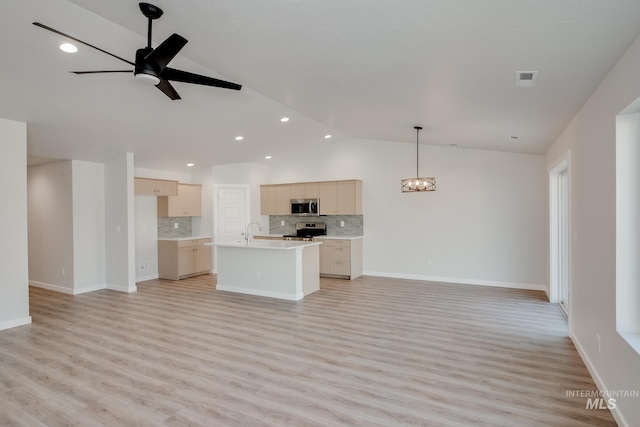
pixel 193 242
pixel 336 242
pixel 341 268
pixel 339 253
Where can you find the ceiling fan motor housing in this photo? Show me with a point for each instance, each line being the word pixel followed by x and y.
pixel 145 71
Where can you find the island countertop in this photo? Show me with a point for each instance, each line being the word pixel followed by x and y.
pixel 179 239
pixel 265 244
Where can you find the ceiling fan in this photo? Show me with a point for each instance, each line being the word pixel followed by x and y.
pixel 150 65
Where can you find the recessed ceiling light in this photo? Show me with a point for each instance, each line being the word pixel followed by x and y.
pixel 327 136
pixel 284 119
pixel 190 164
pixel 267 157
pixel 239 138
pixel 68 47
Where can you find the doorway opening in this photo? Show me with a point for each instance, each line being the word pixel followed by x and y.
pixel 560 232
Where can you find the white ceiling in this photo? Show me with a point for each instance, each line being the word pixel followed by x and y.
pixel 355 69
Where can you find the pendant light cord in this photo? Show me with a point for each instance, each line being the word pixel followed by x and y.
pixel 417 128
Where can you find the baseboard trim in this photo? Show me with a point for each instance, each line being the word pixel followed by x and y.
pixel 14 323
pixel 119 288
pixel 64 290
pixel 249 291
pixel 145 278
pixel 513 285
pixel 50 287
pixel 89 289
pixel 596 378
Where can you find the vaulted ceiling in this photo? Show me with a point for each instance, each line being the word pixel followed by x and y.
pixel 354 69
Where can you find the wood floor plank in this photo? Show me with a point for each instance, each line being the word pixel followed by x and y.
pixel 372 351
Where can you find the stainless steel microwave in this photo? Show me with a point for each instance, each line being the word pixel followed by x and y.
pixel 305 207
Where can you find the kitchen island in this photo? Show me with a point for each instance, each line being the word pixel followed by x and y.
pixel 271 268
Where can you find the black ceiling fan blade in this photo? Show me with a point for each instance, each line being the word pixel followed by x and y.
pixel 168 90
pixel 37 24
pixel 104 71
pixel 186 77
pixel 166 51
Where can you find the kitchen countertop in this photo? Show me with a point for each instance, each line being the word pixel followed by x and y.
pixel 265 244
pixel 340 237
pixel 178 239
pixel 279 236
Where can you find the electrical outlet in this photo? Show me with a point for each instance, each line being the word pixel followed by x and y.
pixel 175 225
pixel 341 223
pixel 598 342
pixel 282 223
pixel 62 272
pixel 257 274
pixel 429 263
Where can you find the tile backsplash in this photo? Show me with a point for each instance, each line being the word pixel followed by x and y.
pixel 353 224
pixel 166 227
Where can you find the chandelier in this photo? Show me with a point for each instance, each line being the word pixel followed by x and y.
pixel 412 185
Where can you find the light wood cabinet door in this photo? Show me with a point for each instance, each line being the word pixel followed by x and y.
pixel 186 261
pixel 349 197
pixel 283 200
pixel 202 258
pixel 267 200
pixel 166 188
pixel 193 200
pixel 328 198
pixel 275 199
pixel 144 187
pixel 305 190
pixel 154 187
pixel 188 202
pixel 325 258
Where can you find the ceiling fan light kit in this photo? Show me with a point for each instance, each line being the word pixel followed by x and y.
pixel 150 65
pixel 417 184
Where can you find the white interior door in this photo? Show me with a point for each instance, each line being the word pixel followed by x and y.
pixel 231 212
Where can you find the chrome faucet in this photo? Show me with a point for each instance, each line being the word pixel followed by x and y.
pixel 247 236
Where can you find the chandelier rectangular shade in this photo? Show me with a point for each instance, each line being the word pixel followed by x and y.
pixel 412 185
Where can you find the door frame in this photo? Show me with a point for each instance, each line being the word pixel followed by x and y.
pixel 557 168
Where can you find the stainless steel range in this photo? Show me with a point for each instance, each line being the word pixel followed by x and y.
pixel 305 231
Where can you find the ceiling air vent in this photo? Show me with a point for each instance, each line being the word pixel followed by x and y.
pixel 526 78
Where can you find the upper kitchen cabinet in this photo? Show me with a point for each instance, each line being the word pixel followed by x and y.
pixel 155 187
pixel 188 202
pixel 341 197
pixel 275 199
pixel 305 190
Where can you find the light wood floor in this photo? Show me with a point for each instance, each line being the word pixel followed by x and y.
pixel 371 352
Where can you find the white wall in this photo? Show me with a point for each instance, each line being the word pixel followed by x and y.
pixel 120 224
pixel 88 226
pixel 485 224
pixel 14 291
pixel 591 138
pixel 50 219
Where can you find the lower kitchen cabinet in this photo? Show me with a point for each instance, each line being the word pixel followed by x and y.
pixel 178 259
pixel 340 257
